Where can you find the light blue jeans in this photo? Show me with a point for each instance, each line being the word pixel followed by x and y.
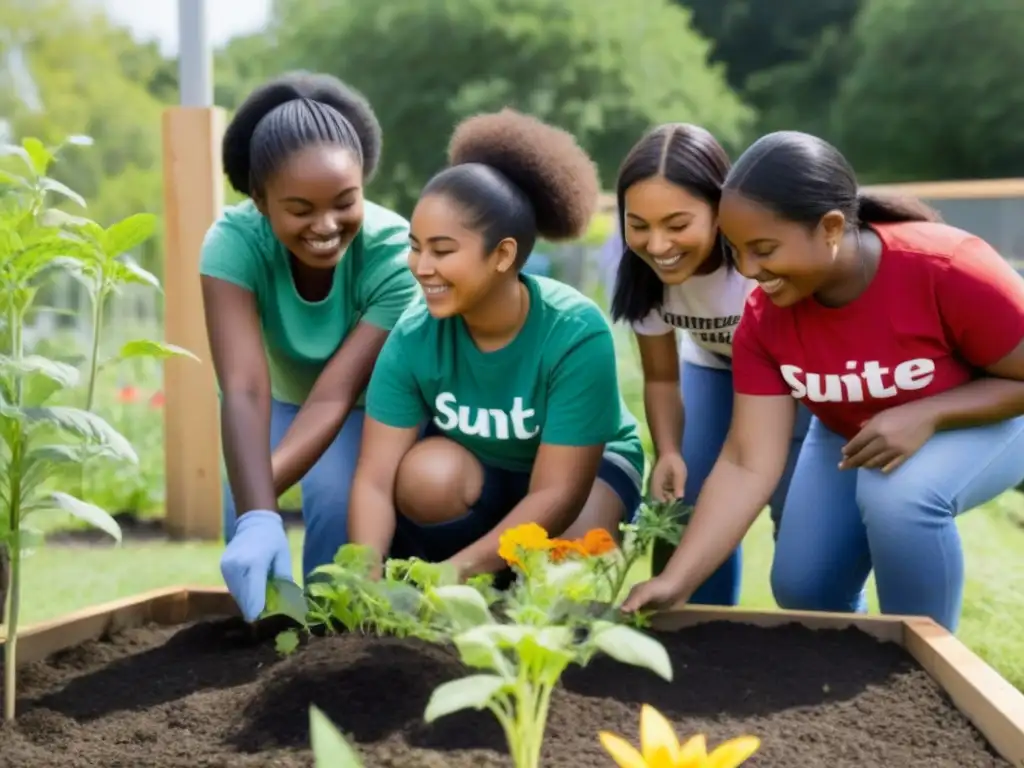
pixel 838 525
pixel 325 488
pixel 707 401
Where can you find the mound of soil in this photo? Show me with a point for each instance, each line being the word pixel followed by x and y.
pixel 212 693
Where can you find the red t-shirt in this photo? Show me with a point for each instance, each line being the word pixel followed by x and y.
pixel 942 306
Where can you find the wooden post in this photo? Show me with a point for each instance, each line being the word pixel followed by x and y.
pixel 193 199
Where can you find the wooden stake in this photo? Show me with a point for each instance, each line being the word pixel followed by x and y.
pixel 193 199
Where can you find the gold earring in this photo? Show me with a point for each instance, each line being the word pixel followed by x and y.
pixel 835 250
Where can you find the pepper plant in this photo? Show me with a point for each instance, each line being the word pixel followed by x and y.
pixel 38 438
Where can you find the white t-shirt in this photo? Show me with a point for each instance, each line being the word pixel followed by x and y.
pixel 707 309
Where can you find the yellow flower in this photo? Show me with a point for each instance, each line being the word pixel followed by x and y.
pixel 659 747
pixel 528 537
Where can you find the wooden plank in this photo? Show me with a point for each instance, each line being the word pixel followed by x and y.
pixel 994 706
pixel 207 602
pixel 968 189
pixel 39 641
pixel 193 199
pixel 885 628
pixel 973 189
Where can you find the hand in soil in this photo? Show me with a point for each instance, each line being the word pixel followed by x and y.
pixel 653 594
pixel 258 550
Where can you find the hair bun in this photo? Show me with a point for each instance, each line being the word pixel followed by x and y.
pixel 545 162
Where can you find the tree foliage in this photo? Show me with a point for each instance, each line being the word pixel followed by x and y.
pixel 602 69
pixel 935 91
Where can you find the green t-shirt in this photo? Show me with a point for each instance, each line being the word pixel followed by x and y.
pixel 556 382
pixel 372 283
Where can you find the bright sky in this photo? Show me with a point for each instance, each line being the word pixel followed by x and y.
pixel 158 19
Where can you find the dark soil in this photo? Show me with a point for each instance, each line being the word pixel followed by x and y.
pixel 212 694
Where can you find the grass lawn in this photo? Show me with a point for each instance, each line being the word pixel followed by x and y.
pixel 59 579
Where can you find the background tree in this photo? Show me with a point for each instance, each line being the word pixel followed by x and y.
pixel 602 69
pixel 935 91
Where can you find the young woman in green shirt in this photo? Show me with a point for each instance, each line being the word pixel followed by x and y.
pixel 302 283
pixel 495 401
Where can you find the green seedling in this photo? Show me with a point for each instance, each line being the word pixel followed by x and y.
pixel 330 750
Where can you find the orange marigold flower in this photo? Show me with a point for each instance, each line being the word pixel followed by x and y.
pixel 529 536
pixel 563 548
pixel 597 542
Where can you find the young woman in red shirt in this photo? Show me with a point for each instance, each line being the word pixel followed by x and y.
pixel 904 337
pixel 683 298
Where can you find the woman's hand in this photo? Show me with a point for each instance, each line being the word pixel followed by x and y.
pixel 889 438
pixel 658 593
pixel 668 478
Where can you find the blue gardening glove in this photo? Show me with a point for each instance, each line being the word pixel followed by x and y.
pixel 258 550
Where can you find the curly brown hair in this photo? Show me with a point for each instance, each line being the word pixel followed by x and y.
pixel 546 163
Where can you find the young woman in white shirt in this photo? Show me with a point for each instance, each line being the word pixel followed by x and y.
pixel 673 276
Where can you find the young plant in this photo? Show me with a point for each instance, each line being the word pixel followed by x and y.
pixel 37 438
pixel 660 748
pixel 523 657
pixel 330 750
pixel 344 595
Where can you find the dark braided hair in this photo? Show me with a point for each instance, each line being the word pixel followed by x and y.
pixel 517 177
pixel 291 112
pixel 687 156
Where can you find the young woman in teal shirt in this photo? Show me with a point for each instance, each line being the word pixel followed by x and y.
pixel 513 376
pixel 302 283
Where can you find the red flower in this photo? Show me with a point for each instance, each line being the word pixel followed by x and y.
pixel 128 394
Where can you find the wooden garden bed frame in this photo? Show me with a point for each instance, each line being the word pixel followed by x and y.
pixel 994 706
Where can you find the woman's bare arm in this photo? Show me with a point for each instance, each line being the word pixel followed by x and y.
pixel 743 479
pixel 329 403
pixel 236 343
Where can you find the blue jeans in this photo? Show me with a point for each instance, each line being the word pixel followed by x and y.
pixel 325 487
pixel 708 401
pixel 838 525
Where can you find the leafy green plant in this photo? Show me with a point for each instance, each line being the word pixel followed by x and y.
pixel 553 616
pixel 330 750
pixel 39 439
pixel 560 610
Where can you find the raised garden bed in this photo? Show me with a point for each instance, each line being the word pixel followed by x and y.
pixel 172 678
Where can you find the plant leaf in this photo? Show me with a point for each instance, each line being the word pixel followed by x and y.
pixel 62 374
pixel 286 642
pixel 330 750
pixel 38 154
pixel 479 651
pixel 86 425
pixel 155 349
pixel 464 607
pixel 629 646
pixel 285 598
pixel 128 234
pixel 52 185
pixel 473 691
pixel 88 513
pixel 127 270
pixel 14 149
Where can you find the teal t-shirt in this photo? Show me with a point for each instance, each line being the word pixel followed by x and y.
pixel 556 382
pixel 372 283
